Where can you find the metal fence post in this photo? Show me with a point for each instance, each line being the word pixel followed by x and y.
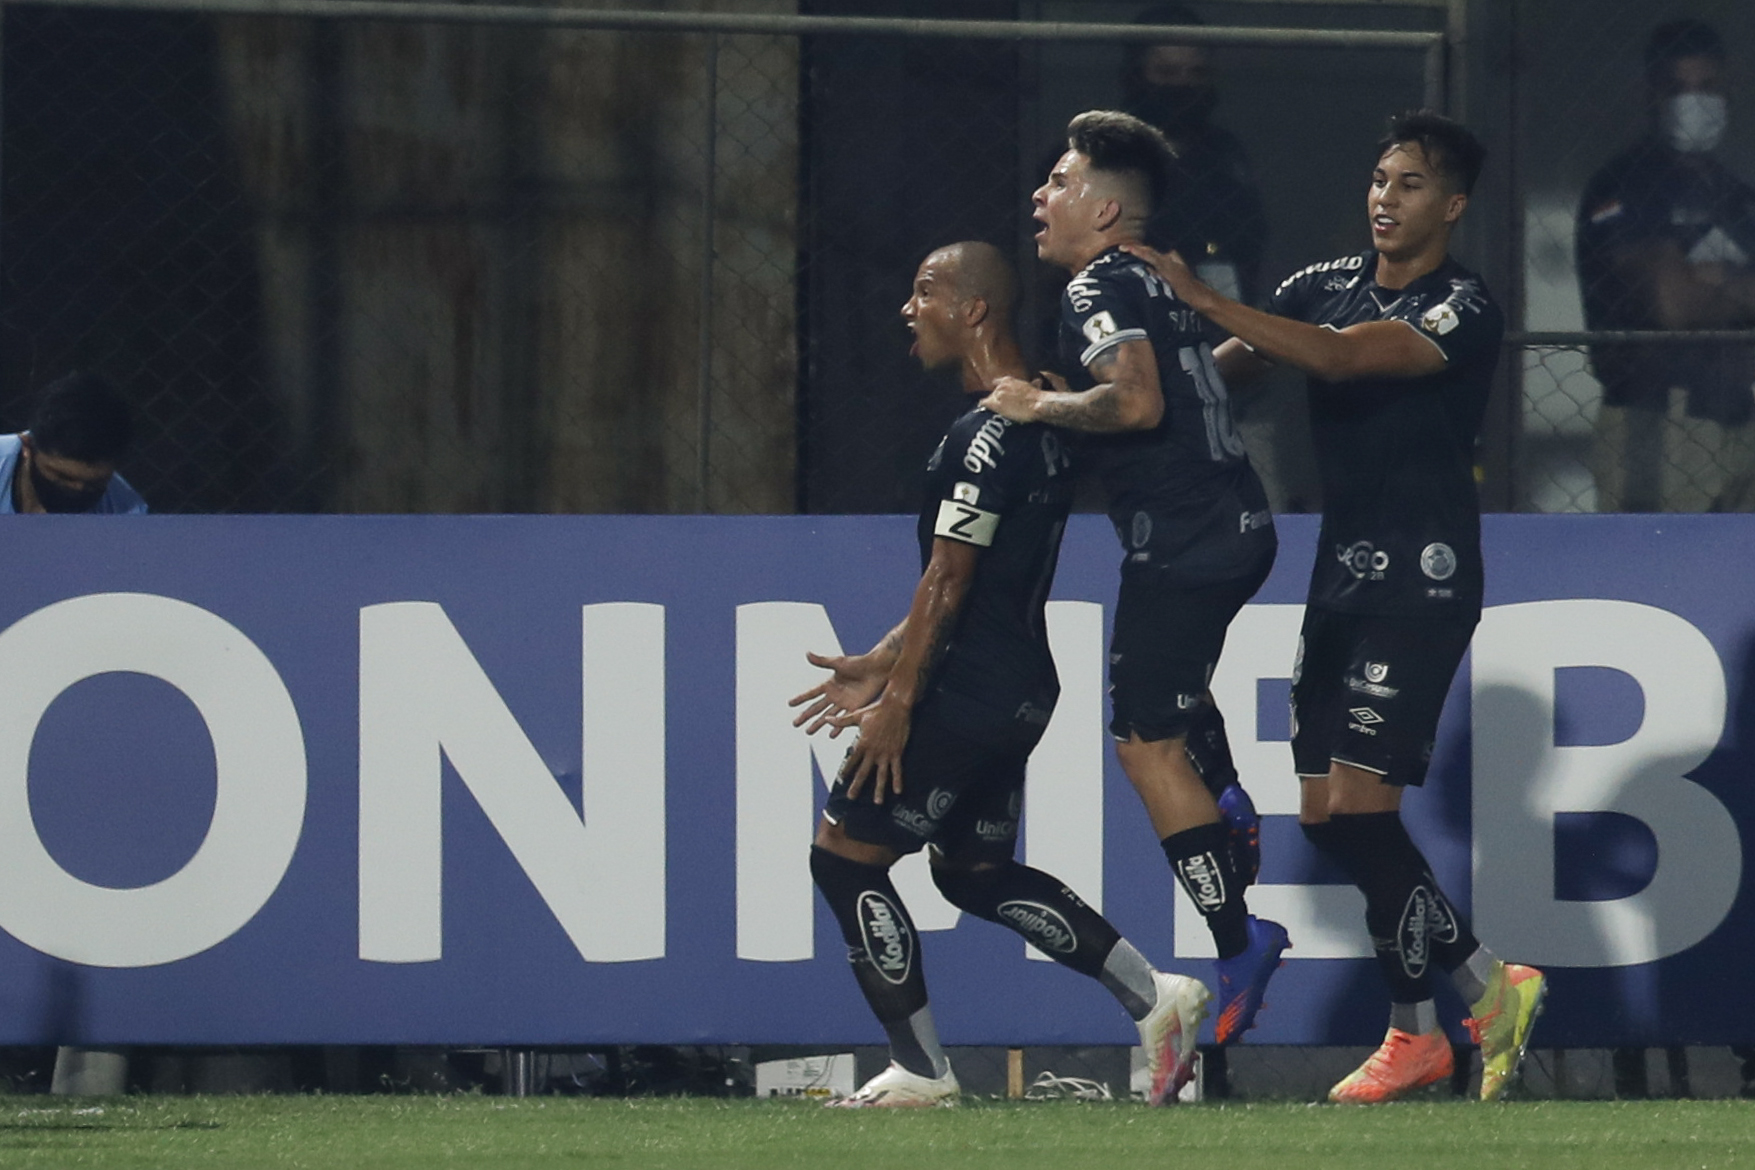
pixel 709 202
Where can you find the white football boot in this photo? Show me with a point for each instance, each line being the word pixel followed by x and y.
pixel 896 1087
pixel 1168 1034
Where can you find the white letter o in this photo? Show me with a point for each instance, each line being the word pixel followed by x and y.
pixel 259 757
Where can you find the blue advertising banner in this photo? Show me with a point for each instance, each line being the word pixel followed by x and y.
pixel 533 780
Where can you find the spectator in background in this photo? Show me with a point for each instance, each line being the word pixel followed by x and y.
pixel 1213 216
pixel 66 462
pixel 1666 240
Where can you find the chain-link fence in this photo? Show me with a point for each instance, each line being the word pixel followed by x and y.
pixel 351 260
pixel 1636 226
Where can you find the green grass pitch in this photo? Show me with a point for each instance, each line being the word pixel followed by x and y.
pixel 369 1133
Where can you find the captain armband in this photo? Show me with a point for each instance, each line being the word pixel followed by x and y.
pixel 965 522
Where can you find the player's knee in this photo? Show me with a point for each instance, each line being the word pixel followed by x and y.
pixel 969 888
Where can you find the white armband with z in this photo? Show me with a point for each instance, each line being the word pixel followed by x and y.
pixel 965 522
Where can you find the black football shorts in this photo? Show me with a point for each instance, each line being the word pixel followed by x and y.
pixel 1367 690
pixel 962 793
pixel 1165 646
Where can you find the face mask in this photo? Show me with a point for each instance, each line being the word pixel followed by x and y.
pixel 1694 122
pixel 56 498
pixel 1174 109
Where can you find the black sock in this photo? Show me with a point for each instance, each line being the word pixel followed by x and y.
pixel 1048 915
pixel 1413 925
pixel 1209 750
pixel 884 950
pixel 1201 860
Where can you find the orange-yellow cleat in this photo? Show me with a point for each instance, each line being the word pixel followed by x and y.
pixel 1402 1063
pixel 1502 1022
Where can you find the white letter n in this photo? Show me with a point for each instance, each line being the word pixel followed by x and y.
pixel 422 693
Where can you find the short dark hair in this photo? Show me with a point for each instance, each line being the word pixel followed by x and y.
pixel 1676 39
pixel 1175 14
pixel 1123 144
pixel 1450 147
pixel 83 417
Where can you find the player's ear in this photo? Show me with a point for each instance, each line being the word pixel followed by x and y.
pixel 974 311
pixel 1108 212
pixel 1454 211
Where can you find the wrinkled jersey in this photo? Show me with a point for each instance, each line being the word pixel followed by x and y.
pixel 1006 488
pixel 1401 520
pixel 1183 495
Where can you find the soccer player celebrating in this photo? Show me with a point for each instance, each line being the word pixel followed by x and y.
pixel 1191 514
pixel 1399 343
pixel 949 706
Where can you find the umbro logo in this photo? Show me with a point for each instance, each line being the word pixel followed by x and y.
pixel 1365 715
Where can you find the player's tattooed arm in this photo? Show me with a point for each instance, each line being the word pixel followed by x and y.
pixel 1371 349
pixel 856 681
pixel 884 724
pixel 1127 396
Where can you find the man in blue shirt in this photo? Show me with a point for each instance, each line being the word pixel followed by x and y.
pixel 66 461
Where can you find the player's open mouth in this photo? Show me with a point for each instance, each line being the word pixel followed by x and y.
pixel 1382 223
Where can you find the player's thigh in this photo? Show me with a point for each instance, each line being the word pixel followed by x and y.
pixel 941 763
pixel 1166 643
pixel 1368 691
pixel 982 828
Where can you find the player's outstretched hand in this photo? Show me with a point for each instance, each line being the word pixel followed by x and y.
pixel 883 735
pixel 1014 398
pixel 856 682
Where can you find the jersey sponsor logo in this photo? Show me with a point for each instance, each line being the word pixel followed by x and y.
pixel 1100 325
pixel 1030 713
pixel 1344 264
pixel 985 449
pixel 1439 319
pixel 1438 561
pixel 889 944
pixel 1201 878
pixel 912 820
pixel 966 493
pixel 1081 292
pixel 939 802
pixel 1364 560
pixel 1376 671
pixel 962 522
pixel 1250 521
pixel 1042 925
pixel 1364 720
pixel 991 831
pixel 1375 690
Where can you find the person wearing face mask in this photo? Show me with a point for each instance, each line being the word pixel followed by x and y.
pixel 66 462
pixel 1666 241
pixel 1214 213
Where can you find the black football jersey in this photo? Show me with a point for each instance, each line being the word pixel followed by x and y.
pixel 1401 521
pixel 1006 488
pixel 1183 495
